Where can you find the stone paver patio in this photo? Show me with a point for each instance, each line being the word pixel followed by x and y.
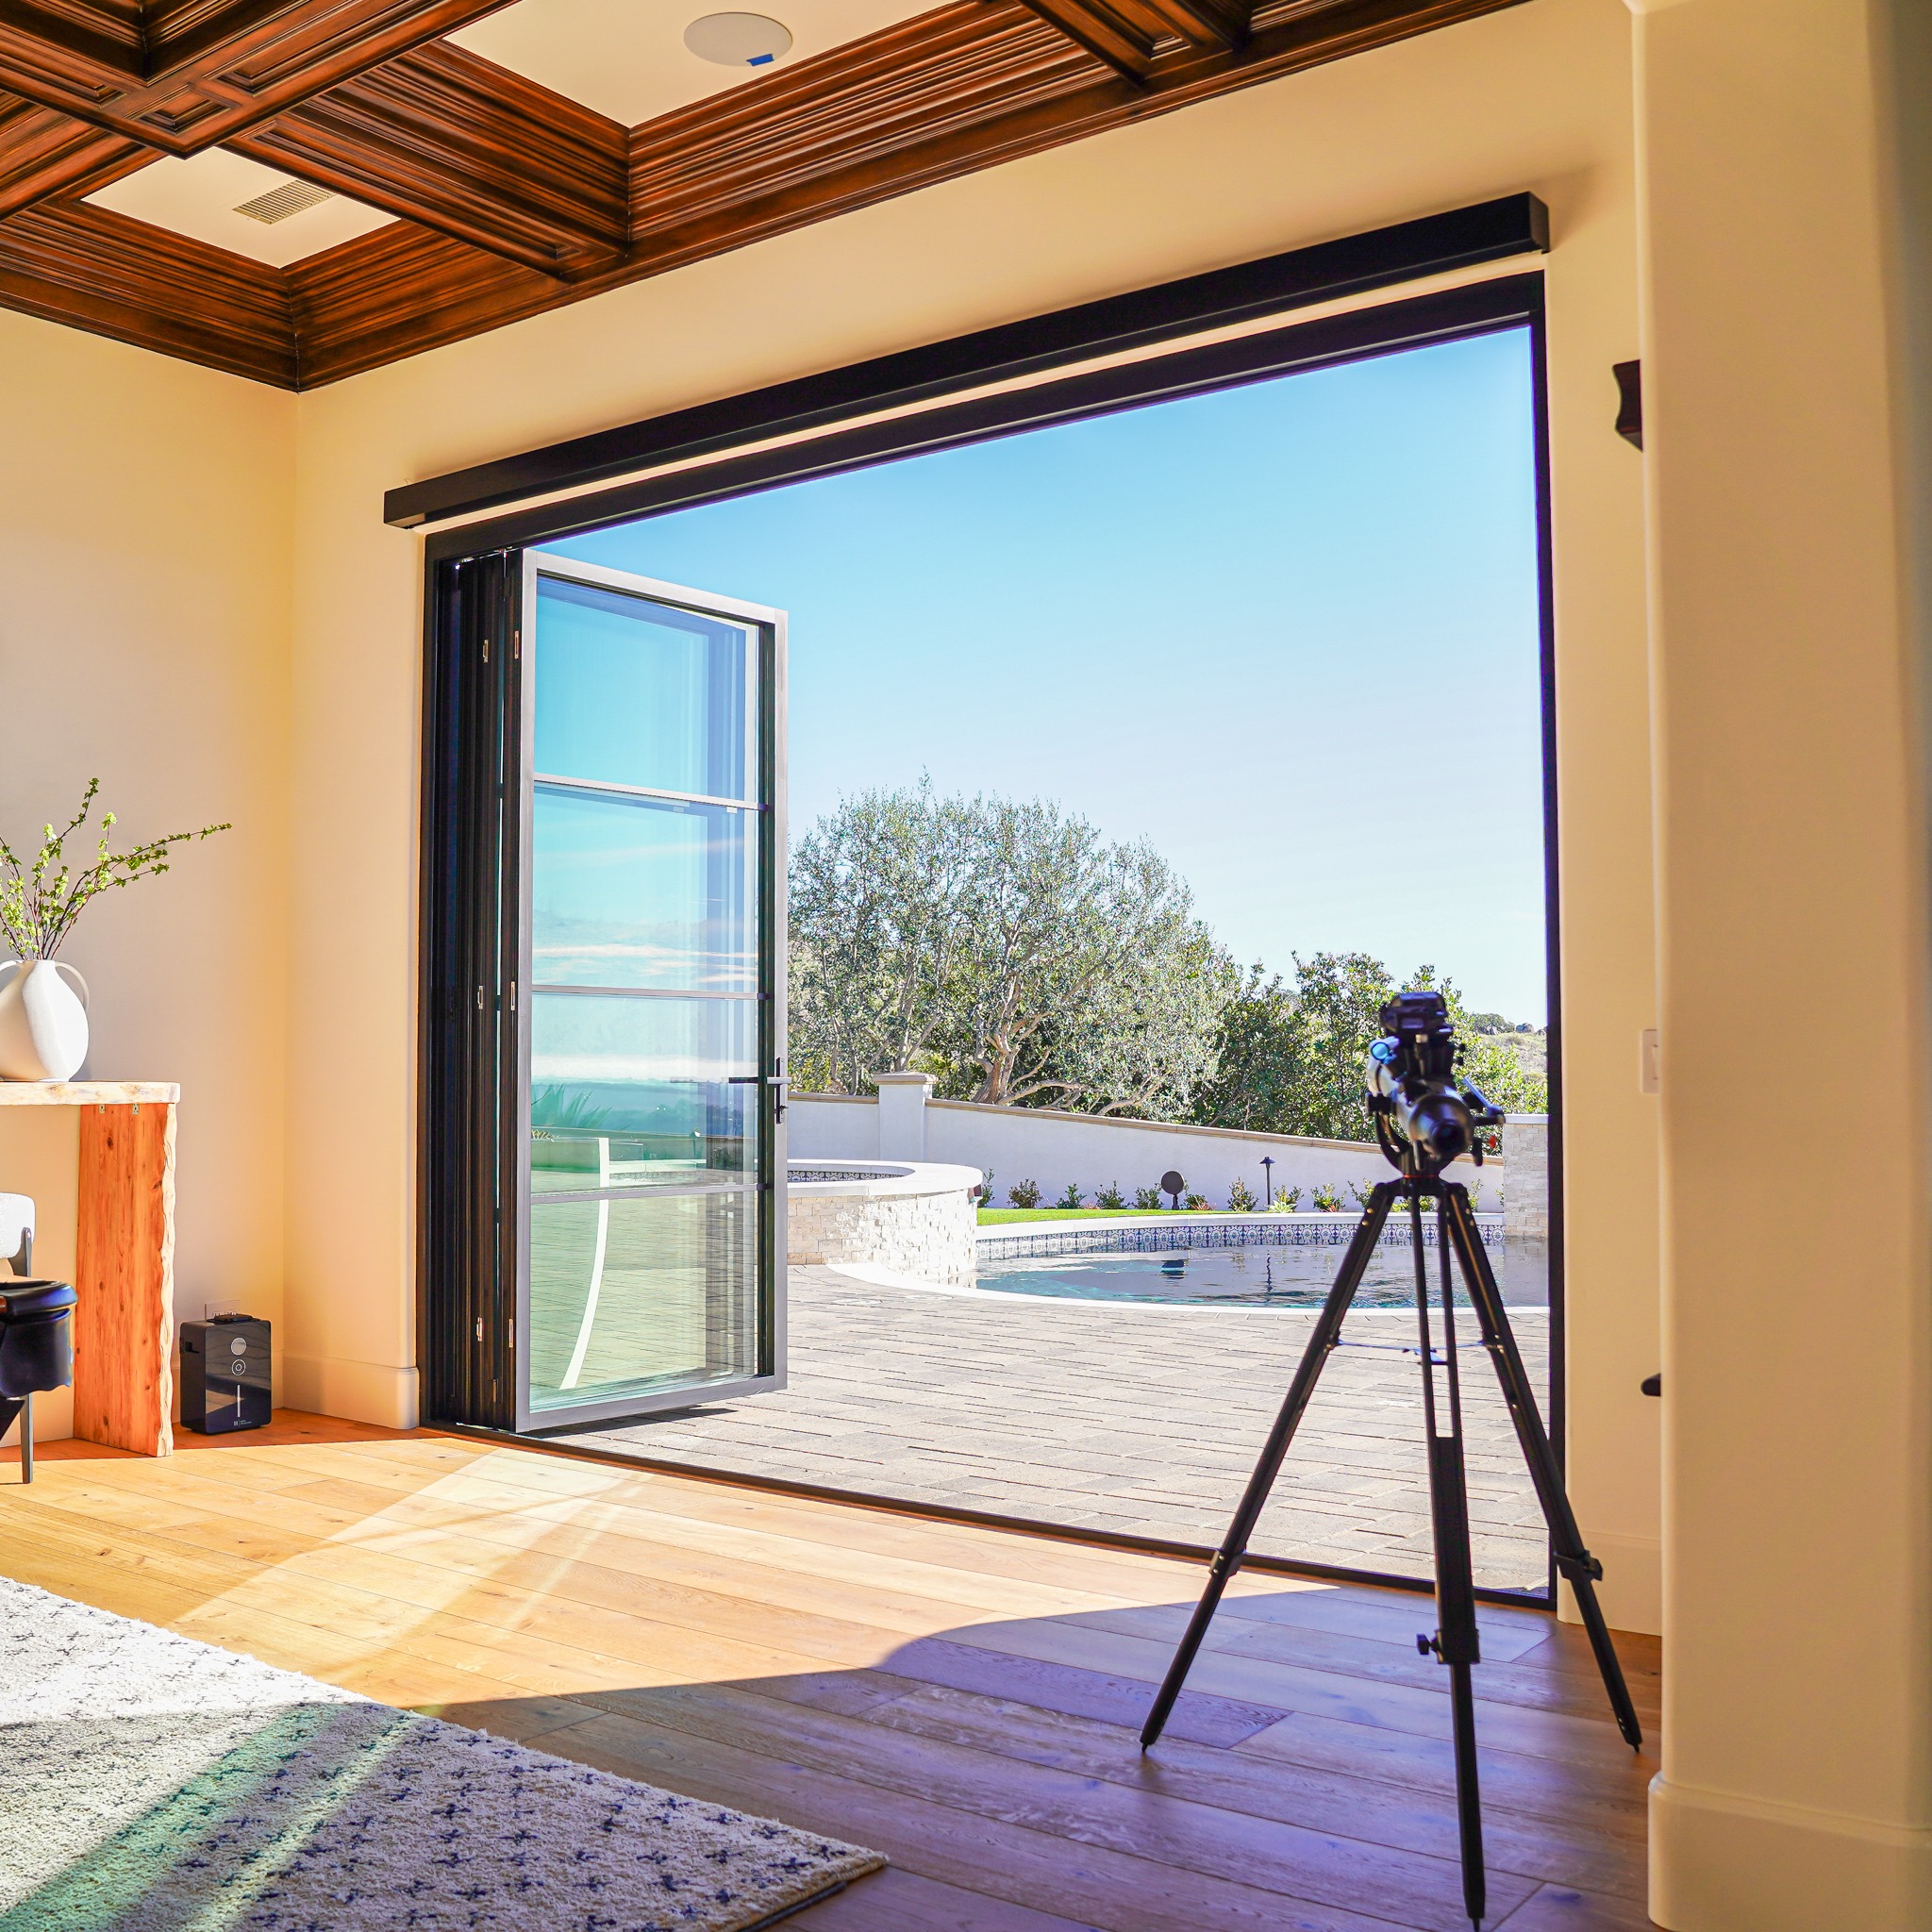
pixel 1137 1418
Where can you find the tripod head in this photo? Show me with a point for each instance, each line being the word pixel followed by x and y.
pixel 1425 1114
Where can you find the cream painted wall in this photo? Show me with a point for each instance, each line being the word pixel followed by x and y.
pixel 1536 97
pixel 1796 1790
pixel 146 511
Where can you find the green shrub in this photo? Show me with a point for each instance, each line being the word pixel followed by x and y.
pixel 1148 1197
pixel 1023 1195
pixel 1360 1194
pixel 1072 1198
pixel 1326 1201
pixel 1288 1199
pixel 1110 1196
pixel 1193 1202
pixel 1239 1200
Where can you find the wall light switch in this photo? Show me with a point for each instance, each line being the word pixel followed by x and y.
pixel 1649 1062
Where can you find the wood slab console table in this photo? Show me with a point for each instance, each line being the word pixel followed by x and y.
pixel 123 1321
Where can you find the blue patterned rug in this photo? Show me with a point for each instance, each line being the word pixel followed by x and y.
pixel 149 1783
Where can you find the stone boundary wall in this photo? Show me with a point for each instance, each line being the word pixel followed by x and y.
pixel 1051 1148
pixel 1527 1148
pixel 915 1218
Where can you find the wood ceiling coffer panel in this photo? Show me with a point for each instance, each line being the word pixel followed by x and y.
pixel 446 138
pixel 104 272
pixel 224 70
pixel 964 66
pixel 513 199
pixel 44 153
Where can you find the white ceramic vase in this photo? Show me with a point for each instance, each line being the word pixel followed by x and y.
pixel 42 1025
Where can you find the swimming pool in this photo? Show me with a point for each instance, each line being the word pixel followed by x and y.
pixel 1226 1265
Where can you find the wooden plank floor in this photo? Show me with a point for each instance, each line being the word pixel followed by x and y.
pixel 964 1700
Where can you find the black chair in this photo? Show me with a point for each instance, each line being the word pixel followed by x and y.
pixel 36 1329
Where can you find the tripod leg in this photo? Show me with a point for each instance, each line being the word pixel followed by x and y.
pixel 1573 1561
pixel 1234 1546
pixel 1457 1642
pixel 1469 1803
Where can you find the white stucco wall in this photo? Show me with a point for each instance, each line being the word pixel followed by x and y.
pixel 1536 96
pixel 1050 1148
pixel 146 533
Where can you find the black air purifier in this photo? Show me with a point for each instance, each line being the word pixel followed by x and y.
pixel 224 1382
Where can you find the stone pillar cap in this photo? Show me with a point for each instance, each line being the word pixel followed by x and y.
pixel 925 1080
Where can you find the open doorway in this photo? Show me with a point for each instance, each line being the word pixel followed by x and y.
pixel 1131 762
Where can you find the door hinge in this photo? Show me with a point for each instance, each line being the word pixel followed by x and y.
pixel 512 1335
pixel 479 1327
pixel 486 650
pixel 479 999
pixel 512 995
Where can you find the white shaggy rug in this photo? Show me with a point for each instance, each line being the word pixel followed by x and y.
pixel 149 1783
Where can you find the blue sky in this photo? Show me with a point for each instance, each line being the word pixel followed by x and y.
pixel 1288 632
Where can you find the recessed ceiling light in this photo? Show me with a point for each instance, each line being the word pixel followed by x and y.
pixel 278 204
pixel 737 39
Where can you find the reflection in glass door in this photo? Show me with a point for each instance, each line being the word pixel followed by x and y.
pixel 652 1037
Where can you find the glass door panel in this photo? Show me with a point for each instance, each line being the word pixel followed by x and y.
pixel 630 892
pixel 651 1034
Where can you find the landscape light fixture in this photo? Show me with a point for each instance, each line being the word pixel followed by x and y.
pixel 737 39
pixel 1267 1180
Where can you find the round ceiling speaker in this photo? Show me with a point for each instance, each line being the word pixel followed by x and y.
pixel 737 39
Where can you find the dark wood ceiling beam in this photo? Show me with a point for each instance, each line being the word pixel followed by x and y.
pixel 446 138
pixel 850 116
pixel 99 271
pixel 89 47
pixel 42 154
pixel 1103 32
pixel 1206 23
pixel 207 72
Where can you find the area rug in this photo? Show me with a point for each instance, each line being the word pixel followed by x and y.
pixel 149 1783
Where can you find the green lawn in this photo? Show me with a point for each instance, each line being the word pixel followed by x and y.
pixel 990 1216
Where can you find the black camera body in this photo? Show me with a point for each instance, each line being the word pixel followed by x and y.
pixel 1425 1114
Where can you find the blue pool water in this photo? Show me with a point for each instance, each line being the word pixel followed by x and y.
pixel 1287 1278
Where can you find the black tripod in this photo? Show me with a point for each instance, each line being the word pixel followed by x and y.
pixel 1455 1642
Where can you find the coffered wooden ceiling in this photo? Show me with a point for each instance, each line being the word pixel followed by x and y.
pixel 507 198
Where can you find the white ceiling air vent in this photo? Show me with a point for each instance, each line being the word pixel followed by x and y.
pixel 278 204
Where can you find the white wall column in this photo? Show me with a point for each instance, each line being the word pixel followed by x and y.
pixel 902 1115
pixel 1797 1788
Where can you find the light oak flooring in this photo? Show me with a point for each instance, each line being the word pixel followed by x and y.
pixel 965 1700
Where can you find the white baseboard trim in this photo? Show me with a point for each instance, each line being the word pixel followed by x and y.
pixel 1724 1862
pixel 358 1392
pixel 1632 1592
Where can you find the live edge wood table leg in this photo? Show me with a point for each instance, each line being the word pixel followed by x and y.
pixel 124 1277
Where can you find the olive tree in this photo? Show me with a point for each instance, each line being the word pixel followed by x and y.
pixel 1004 946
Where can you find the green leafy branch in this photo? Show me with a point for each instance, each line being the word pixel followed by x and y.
pixel 40 902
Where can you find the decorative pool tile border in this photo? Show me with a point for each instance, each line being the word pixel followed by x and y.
pixel 1163 1237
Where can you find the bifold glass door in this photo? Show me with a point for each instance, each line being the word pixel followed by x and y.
pixel 651 1038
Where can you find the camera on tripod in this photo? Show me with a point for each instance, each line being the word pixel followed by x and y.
pixel 1426 1115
